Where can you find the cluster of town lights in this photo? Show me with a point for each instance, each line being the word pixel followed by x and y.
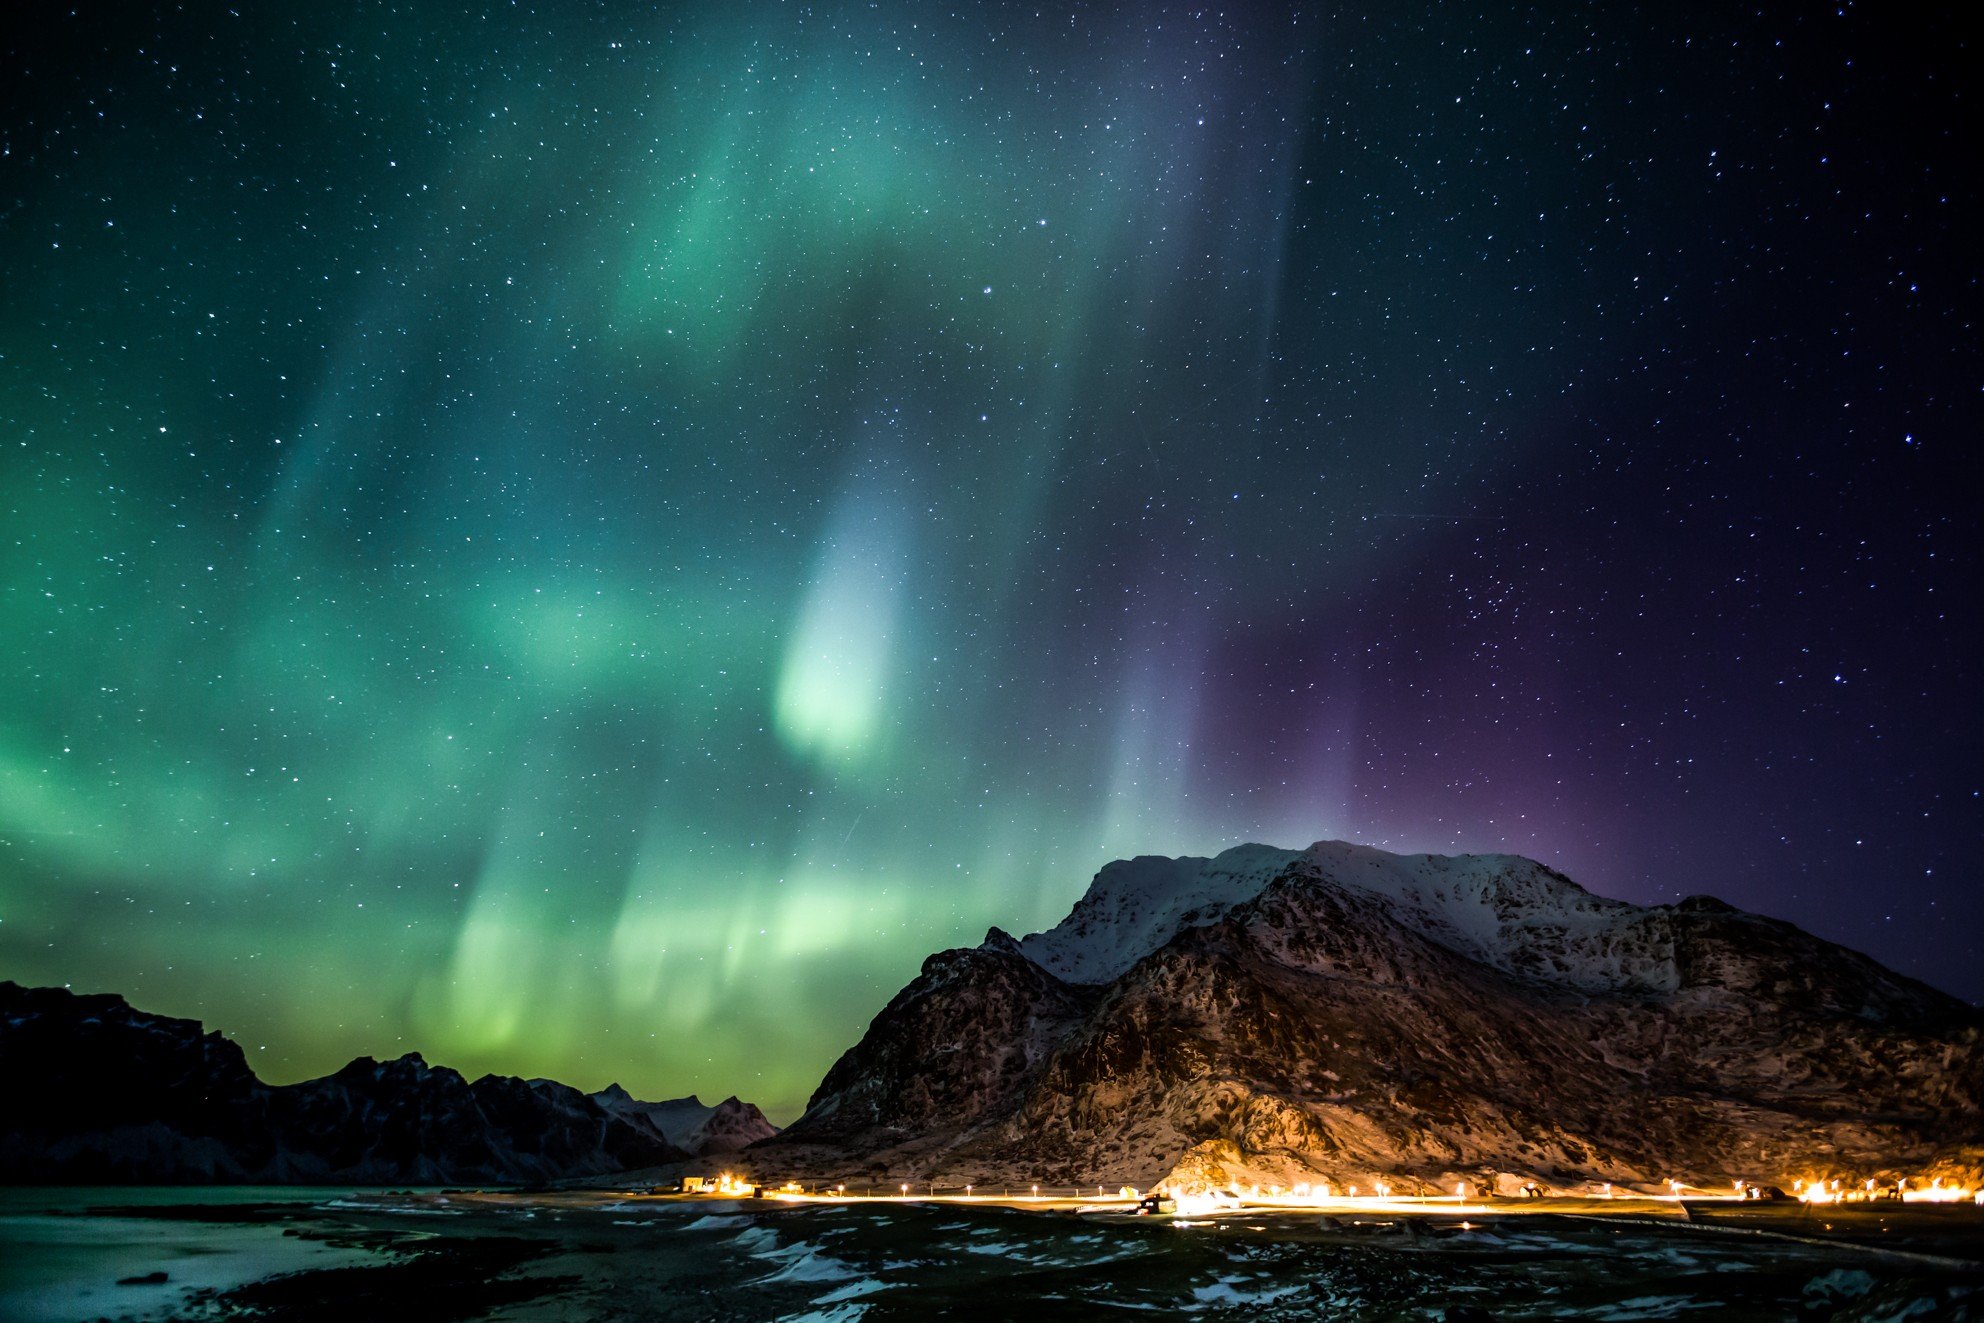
pixel 1837 1191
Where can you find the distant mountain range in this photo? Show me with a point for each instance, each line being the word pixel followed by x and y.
pixel 1348 1015
pixel 98 1092
pixel 689 1124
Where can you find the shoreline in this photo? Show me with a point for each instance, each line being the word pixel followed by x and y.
pixel 470 1253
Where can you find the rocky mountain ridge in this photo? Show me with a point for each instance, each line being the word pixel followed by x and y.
pixel 688 1123
pixel 1349 1015
pixel 100 1092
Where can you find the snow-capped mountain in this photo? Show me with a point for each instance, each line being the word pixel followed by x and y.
pixel 1342 1013
pixel 688 1123
pixel 101 1092
pixel 1136 905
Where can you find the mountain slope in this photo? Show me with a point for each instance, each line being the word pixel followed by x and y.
pixel 1349 1015
pixel 101 1092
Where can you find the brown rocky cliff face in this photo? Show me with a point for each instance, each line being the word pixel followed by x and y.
pixel 952 1048
pixel 1489 1017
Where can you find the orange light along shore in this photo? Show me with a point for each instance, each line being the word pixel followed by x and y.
pixel 1374 1196
pixel 1840 1191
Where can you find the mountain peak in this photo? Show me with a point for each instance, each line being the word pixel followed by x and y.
pixel 1474 904
pixel 1134 906
pixel 688 1123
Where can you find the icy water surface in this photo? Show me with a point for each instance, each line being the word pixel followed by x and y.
pixel 239 1254
pixel 63 1253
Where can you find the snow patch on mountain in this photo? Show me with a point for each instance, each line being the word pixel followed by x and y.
pixel 1508 912
pixel 1134 906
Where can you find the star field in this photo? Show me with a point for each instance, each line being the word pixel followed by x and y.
pixel 586 540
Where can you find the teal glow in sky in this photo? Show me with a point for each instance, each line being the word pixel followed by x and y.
pixel 588 544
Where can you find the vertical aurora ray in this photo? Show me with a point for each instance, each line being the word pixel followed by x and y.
pixel 833 697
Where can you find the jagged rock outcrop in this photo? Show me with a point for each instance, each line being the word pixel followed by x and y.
pixel 952 1049
pixel 1348 1015
pixel 99 1092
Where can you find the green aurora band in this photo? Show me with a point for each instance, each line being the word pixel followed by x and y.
pixel 582 663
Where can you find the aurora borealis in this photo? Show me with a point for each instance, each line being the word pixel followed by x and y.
pixel 587 540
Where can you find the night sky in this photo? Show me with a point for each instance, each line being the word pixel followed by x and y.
pixel 587 540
